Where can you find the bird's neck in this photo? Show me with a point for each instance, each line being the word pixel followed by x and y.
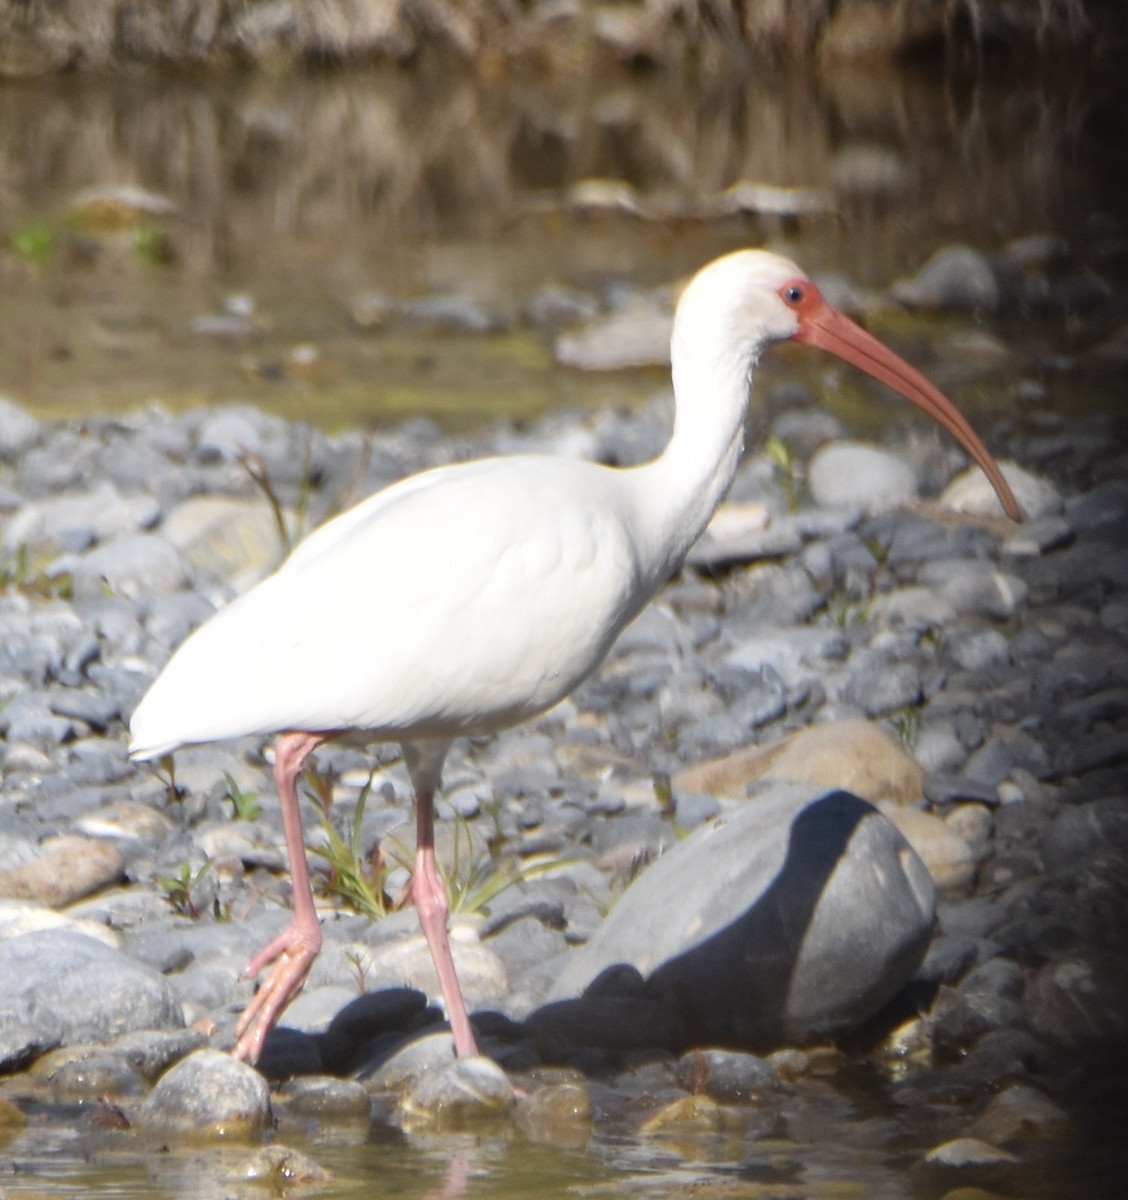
pixel 684 485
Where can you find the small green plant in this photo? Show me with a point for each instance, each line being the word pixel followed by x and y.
pixel 289 533
pixel 352 877
pixel 474 881
pixel 245 805
pixel 19 572
pixel 178 888
pixel 879 547
pixel 165 771
pixel 907 725
pixel 844 608
pixel 152 245
pixel 36 242
pixel 786 471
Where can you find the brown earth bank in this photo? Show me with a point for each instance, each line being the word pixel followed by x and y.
pixel 44 36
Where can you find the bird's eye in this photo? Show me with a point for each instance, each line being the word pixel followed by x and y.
pixel 793 295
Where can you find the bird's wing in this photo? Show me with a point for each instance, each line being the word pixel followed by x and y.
pixel 463 599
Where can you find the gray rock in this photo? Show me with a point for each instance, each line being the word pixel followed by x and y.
pixel 976 588
pixel 854 475
pixel 972 492
pixel 728 1076
pixel 989 998
pixel 1079 998
pixel 464 1092
pixel 878 687
pixel 130 566
pixel 81 989
pixel 77 519
pixel 451 312
pixel 976 649
pixel 955 278
pixel 328 1099
pixel 92 1076
pixel 151 1052
pixel 208 1094
pixel 636 335
pixel 794 655
pixel 19 430
pixel 801 914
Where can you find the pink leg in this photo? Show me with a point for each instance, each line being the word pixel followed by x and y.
pixel 294 950
pixel 433 907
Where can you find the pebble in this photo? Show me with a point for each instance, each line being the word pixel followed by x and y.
pixel 964 673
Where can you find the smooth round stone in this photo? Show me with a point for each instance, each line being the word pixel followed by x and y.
pixel 855 475
pixel 913 608
pixel 131 566
pixel 976 588
pixel 727 1076
pixel 411 1061
pixel 77 519
pixel 1080 997
pixel 557 1114
pixel 955 279
pixel 66 869
pixel 971 492
pixel 976 649
pixel 464 1092
pixel 948 857
pixel 226 538
pixel 813 887
pixel 968 1152
pixel 851 754
pixel 327 1099
pixel 1022 1115
pixel 210 1095
pixel 151 1052
pixel 281 1169
pixel 107 1073
pixel 95 993
pixel 230 434
pixel 636 335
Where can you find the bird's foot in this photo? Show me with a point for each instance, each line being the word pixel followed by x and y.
pixel 292 953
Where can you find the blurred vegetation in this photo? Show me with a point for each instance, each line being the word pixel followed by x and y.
pixel 40 36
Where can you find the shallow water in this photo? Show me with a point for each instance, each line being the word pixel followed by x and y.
pixel 297 194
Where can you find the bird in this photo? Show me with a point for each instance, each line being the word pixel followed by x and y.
pixel 474 596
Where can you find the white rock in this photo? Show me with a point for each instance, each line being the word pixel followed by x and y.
pixel 971 492
pixel 856 475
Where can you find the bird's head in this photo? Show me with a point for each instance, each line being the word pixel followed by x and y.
pixel 751 298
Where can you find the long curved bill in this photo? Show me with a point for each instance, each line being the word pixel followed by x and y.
pixel 825 327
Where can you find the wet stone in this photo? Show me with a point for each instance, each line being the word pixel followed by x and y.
pixel 209 1095
pixel 557 1114
pixel 88 1078
pixel 463 1093
pixel 327 1099
pixel 726 1076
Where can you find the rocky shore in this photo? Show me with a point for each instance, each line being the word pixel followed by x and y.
pixel 870 706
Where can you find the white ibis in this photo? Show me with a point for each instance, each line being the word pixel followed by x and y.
pixel 471 597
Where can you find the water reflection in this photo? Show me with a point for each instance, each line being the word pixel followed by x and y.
pixel 303 191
